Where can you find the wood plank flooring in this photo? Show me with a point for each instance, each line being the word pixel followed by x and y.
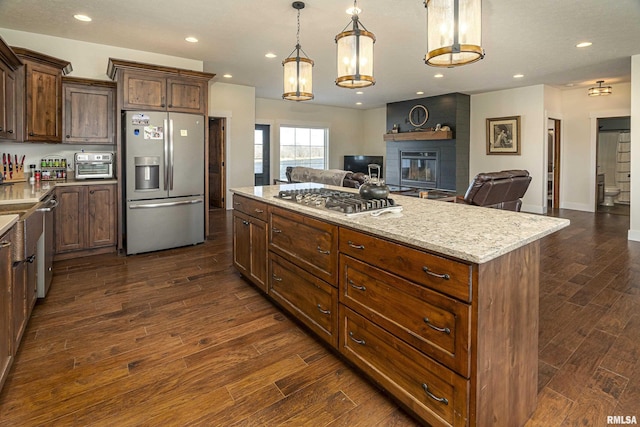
pixel 178 338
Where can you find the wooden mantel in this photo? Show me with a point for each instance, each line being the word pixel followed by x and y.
pixel 418 136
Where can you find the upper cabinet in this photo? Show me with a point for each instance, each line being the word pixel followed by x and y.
pixel 89 110
pixel 42 95
pixel 9 91
pixel 152 87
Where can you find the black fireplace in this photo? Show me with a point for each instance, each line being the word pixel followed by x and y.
pixel 419 169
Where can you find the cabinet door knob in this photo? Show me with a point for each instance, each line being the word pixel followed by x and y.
pixel 68 136
pixel 92 191
pixel 1 129
pixel 10 131
pixel 162 105
pixel 31 134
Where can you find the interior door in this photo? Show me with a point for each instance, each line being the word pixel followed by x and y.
pixel 216 162
pixel 261 154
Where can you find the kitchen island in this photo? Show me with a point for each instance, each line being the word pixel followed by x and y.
pixel 437 304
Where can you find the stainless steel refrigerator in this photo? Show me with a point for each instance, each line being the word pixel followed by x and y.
pixel 164 180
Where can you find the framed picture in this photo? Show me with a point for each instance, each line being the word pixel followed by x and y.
pixel 503 135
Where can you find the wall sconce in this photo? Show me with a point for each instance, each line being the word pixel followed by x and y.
pixel 600 90
pixel 298 71
pixel 355 54
pixel 454 32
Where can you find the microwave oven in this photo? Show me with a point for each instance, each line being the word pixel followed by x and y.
pixel 94 165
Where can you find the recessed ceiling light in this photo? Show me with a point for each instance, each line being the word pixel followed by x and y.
pixel 439 76
pixel 270 55
pixel 518 76
pixel 83 18
pixel 353 10
pixel 419 92
pixel 358 103
pixel 191 39
pixel 569 85
pixel 359 92
pixel 227 76
pixel 584 44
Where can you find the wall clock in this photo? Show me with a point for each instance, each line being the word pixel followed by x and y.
pixel 418 115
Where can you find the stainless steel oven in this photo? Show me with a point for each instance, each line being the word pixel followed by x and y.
pixel 94 165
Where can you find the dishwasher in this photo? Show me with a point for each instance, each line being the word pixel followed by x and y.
pixel 44 256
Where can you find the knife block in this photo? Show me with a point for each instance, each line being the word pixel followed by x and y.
pixel 17 177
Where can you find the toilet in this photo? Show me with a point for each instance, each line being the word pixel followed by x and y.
pixel 610 193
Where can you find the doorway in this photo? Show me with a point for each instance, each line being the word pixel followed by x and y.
pixel 261 155
pixel 216 163
pixel 553 163
pixel 613 161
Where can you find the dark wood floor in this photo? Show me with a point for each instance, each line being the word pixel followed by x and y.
pixel 178 338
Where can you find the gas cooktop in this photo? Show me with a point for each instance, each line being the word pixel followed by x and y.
pixel 339 201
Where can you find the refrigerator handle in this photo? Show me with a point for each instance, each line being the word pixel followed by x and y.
pixel 171 153
pixel 166 155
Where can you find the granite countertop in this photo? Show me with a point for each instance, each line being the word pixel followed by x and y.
pixel 6 221
pixel 23 192
pixel 469 233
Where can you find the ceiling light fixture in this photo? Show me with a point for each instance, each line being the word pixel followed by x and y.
pixel 191 39
pixel 518 76
pixel 298 72
pixel 454 32
pixel 419 92
pixel 584 44
pixel 600 90
pixel 438 76
pixel 355 54
pixel 83 18
pixel 270 55
pixel 227 76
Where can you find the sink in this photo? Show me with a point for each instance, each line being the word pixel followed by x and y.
pixel 27 230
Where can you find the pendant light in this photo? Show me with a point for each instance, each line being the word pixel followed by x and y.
pixel 298 71
pixel 600 90
pixel 454 32
pixel 355 54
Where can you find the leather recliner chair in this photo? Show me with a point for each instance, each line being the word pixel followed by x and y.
pixel 500 190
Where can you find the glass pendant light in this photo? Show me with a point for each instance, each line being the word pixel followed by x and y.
pixel 355 54
pixel 298 71
pixel 454 32
pixel 600 90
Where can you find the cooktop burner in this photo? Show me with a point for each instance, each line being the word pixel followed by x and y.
pixel 339 201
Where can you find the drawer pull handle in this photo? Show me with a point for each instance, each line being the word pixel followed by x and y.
pixel 259 210
pixel 432 326
pixel 433 396
pixel 245 222
pixel 5 244
pixel 354 286
pixel 276 278
pixel 323 311
pixel 431 273
pixel 323 252
pixel 276 230
pixel 356 340
pixel 355 246
pixel 237 203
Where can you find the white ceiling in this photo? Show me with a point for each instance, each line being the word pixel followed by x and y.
pixel 536 38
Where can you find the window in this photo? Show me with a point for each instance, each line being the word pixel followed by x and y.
pixel 301 146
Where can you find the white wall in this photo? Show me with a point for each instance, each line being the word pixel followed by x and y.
pixel 578 163
pixel 528 103
pixel 634 229
pixel 238 105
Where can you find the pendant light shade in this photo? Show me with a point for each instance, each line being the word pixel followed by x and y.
pixel 298 71
pixel 600 90
pixel 454 32
pixel 355 54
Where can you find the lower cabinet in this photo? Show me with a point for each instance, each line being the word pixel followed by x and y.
pixel 6 335
pixel 24 294
pixel 85 219
pixel 250 240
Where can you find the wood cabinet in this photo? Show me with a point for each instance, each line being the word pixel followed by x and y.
pixel 42 121
pixel 455 342
pixel 85 219
pixel 250 240
pixel 152 87
pixel 9 91
pixel 6 281
pixel 89 111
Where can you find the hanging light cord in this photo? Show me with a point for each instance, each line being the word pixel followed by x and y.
pixel 298 47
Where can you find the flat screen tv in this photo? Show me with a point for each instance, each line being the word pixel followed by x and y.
pixel 361 163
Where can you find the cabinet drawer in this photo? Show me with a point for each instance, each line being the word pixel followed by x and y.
pixel 308 298
pixel 250 207
pixel 447 276
pixel 433 392
pixel 434 323
pixel 307 242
